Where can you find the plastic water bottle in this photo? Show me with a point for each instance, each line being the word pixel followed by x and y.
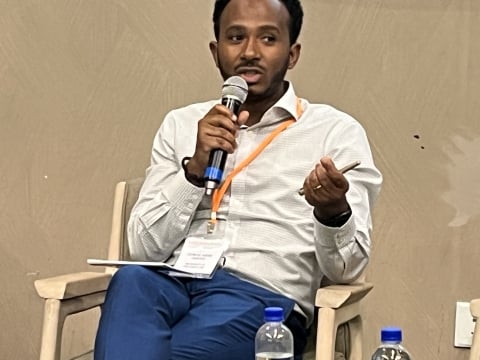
pixel 274 340
pixel 391 347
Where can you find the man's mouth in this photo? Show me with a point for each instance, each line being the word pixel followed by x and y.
pixel 251 76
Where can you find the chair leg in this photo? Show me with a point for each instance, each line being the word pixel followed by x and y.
pixel 328 322
pixel 54 316
pixel 326 334
pixel 53 320
pixel 355 327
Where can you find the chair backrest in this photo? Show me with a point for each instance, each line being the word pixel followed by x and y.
pixel 126 194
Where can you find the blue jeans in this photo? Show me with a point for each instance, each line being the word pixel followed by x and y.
pixel 150 315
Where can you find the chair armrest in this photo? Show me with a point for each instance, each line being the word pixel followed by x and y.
pixel 475 311
pixel 72 285
pixel 475 308
pixel 336 296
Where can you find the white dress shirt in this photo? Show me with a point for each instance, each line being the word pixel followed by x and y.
pixel 273 238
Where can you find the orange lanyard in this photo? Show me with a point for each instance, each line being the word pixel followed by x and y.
pixel 220 192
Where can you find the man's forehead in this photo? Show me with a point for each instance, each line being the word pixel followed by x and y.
pixel 271 13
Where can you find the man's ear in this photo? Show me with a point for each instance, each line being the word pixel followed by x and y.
pixel 294 55
pixel 214 50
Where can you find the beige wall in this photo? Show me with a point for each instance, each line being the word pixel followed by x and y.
pixel 85 84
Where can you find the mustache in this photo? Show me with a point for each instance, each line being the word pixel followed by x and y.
pixel 250 63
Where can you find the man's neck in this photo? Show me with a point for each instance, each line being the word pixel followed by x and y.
pixel 258 106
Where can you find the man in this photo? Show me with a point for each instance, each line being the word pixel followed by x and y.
pixel 278 244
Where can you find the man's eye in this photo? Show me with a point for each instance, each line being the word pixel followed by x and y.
pixel 269 39
pixel 236 37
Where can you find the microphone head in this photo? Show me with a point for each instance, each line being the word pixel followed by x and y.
pixel 235 87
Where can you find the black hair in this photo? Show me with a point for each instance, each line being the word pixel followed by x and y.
pixel 294 10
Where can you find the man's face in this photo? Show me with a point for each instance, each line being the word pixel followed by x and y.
pixel 254 43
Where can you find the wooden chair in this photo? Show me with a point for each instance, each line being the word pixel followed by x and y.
pixel 338 317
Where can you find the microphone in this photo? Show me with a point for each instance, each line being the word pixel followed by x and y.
pixel 234 93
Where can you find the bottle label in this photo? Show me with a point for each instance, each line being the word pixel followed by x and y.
pixel 271 355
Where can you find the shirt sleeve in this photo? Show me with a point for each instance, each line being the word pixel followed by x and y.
pixel 160 219
pixel 343 252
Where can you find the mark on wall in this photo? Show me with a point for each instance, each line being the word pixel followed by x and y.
pixel 463 175
pixel 416 136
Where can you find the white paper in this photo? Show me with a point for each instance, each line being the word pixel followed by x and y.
pixel 199 258
pixel 104 262
pixel 169 269
pixel 200 255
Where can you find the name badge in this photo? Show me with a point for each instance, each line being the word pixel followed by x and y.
pixel 200 256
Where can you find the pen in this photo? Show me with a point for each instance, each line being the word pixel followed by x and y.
pixel 343 170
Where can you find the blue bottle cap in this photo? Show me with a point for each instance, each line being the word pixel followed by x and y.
pixel 273 314
pixel 393 334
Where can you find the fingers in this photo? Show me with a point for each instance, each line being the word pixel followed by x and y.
pixel 325 183
pixel 215 136
pixel 217 130
pixel 243 118
pixel 221 117
pixel 326 175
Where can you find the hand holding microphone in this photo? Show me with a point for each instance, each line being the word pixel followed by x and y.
pixel 216 135
pixel 234 93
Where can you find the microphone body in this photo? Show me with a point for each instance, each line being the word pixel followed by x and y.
pixel 234 93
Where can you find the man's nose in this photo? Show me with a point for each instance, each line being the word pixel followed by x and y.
pixel 251 50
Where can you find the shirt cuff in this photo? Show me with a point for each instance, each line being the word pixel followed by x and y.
pixel 179 196
pixel 182 193
pixel 335 237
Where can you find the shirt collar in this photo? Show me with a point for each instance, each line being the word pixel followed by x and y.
pixel 288 102
pixel 284 108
